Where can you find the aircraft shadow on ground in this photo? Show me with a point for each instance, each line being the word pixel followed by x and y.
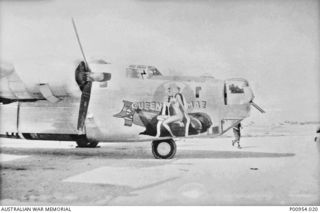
pixel 139 153
pixel 229 154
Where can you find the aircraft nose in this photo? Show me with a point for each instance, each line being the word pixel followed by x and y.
pixel 249 96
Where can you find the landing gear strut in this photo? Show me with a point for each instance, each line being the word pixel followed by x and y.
pixel 164 149
pixel 83 142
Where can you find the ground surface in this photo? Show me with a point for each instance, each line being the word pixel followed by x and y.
pixel 281 170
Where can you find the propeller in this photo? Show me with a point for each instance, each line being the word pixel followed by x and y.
pixel 257 107
pixel 84 78
pixel 85 86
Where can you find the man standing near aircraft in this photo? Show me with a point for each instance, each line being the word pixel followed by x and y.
pixel 237 135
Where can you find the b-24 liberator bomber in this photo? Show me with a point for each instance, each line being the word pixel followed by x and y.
pixel 132 105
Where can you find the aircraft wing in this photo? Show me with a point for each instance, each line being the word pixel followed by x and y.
pixel 12 87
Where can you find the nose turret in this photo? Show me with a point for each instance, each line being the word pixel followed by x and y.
pixel 248 94
pixel 238 91
pixel 250 97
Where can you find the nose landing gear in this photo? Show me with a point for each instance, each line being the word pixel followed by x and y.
pixel 164 149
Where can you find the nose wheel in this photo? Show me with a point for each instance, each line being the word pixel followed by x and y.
pixel 164 149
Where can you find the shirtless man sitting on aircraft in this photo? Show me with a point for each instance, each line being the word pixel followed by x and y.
pixel 175 104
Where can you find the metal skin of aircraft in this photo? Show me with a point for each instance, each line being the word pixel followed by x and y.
pixel 136 104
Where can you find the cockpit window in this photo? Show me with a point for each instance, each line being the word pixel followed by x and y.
pixel 235 88
pixel 237 91
pixel 142 71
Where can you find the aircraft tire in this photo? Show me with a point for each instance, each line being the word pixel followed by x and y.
pixel 169 145
pixel 83 142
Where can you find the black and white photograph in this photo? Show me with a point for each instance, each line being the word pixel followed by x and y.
pixel 159 103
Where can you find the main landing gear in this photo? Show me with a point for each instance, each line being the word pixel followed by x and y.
pixel 83 142
pixel 164 149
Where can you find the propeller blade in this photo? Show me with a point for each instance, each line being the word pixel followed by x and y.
pixel 79 42
pixel 257 107
pixel 84 78
pixel 84 105
pixel 85 86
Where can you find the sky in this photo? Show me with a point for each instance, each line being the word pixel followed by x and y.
pixel 273 44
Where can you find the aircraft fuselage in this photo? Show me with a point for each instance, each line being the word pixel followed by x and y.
pixel 203 96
